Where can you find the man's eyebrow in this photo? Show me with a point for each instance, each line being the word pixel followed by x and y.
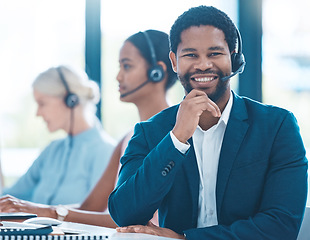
pixel 188 50
pixel 216 48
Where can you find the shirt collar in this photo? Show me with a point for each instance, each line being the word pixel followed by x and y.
pixel 225 114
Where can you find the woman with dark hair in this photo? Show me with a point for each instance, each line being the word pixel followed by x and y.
pixel 144 77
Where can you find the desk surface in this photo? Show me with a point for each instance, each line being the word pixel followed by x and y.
pixel 95 230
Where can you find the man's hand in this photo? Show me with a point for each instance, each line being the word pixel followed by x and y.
pixel 191 108
pixel 11 204
pixel 150 228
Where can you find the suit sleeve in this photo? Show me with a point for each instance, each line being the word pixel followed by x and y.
pixel 284 195
pixel 145 178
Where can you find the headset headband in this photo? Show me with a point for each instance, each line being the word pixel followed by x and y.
pixel 151 47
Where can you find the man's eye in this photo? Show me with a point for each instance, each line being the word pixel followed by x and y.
pixel 215 54
pixel 191 55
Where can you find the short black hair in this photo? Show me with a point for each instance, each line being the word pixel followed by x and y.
pixel 160 41
pixel 203 15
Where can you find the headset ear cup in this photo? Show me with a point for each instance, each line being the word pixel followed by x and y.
pixel 237 62
pixel 71 100
pixel 156 73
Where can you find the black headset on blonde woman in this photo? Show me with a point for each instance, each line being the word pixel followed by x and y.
pixel 71 99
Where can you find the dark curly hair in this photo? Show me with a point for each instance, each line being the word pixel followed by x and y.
pixel 203 15
pixel 160 41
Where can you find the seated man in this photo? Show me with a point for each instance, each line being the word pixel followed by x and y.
pixel 217 166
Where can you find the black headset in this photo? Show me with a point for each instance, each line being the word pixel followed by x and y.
pixel 156 72
pixel 71 99
pixel 237 59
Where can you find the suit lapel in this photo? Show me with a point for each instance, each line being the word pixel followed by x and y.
pixel 231 144
pixel 192 174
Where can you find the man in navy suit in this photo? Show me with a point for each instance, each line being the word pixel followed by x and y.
pixel 216 166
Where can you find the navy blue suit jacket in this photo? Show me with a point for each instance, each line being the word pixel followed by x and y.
pixel 261 183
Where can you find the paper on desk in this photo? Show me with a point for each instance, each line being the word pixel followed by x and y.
pixel 9 224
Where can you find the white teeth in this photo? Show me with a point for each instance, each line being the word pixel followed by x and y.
pixel 205 79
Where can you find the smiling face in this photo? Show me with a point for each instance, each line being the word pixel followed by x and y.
pixel 132 73
pixel 202 59
pixel 53 111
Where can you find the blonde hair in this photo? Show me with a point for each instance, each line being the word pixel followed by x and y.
pixel 50 83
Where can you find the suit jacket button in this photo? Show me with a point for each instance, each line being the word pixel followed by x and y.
pixel 164 173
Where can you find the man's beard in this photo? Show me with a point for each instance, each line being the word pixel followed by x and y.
pixel 214 96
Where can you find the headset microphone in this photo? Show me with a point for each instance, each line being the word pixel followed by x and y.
pixel 135 89
pixel 237 60
pixel 233 74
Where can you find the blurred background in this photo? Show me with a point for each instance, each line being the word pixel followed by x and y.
pixel 37 34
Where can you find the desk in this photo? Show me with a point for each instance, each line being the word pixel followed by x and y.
pixel 95 230
pixel 78 231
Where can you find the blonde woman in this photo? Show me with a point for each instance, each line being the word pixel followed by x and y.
pixel 68 168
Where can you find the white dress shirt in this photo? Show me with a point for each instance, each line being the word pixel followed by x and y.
pixel 207 145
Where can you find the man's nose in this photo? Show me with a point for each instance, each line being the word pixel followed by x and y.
pixel 203 64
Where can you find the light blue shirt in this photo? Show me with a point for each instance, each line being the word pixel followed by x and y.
pixel 64 175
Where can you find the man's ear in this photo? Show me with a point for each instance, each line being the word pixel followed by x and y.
pixel 173 60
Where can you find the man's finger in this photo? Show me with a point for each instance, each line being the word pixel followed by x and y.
pixel 195 93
